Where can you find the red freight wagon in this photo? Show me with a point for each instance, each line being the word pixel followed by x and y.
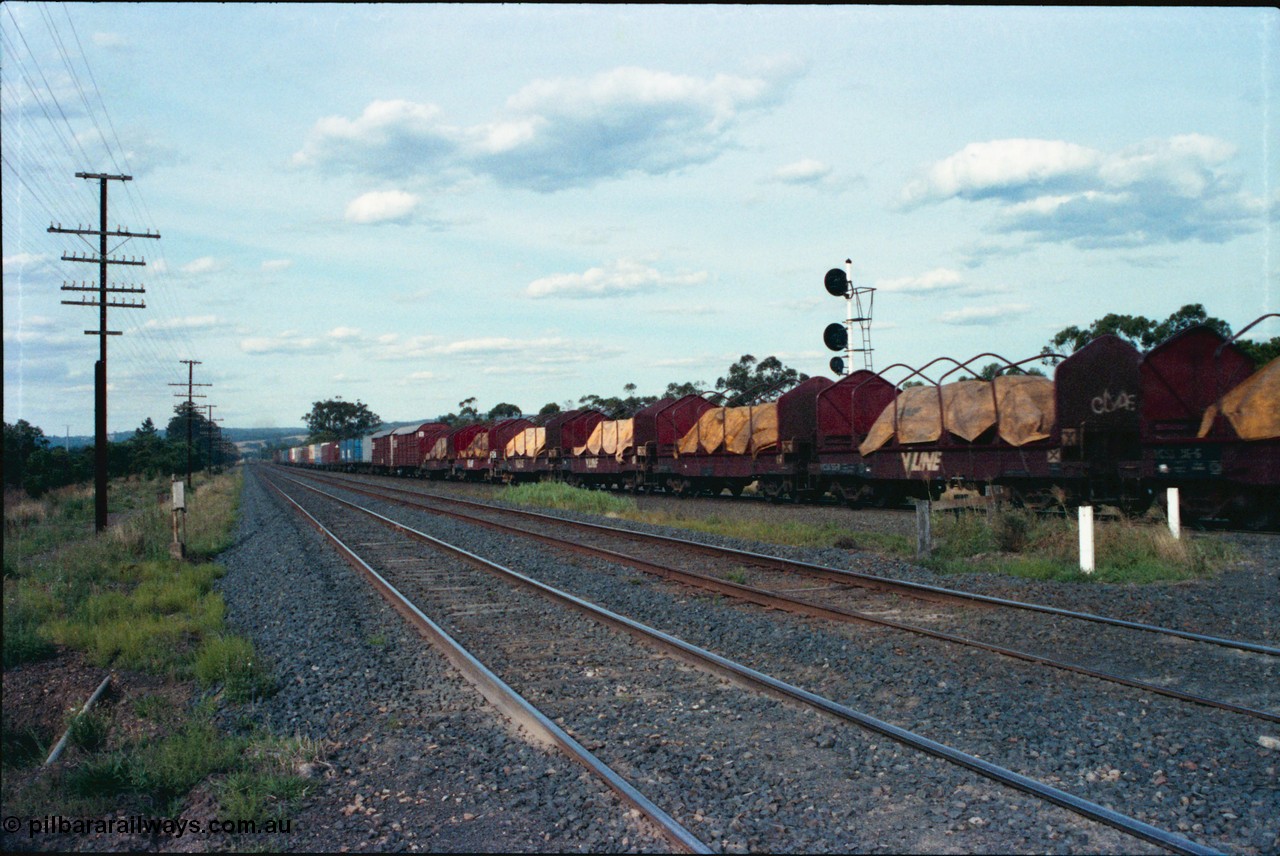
pixel 448 447
pixel 381 460
pixel 541 458
pixel 1189 443
pixel 771 443
pixel 1082 436
pixel 407 446
pixel 428 434
pixel 845 412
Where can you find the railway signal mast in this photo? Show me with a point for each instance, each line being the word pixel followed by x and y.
pixel 859 301
pixel 102 301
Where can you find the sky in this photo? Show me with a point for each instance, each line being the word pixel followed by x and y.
pixel 409 205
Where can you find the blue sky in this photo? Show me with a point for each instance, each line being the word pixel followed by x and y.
pixel 412 205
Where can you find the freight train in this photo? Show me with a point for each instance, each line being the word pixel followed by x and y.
pixel 1112 426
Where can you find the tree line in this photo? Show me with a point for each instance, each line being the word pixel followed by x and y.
pixel 33 463
pixel 748 381
pixel 751 381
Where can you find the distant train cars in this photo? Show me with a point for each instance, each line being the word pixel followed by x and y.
pixel 1111 426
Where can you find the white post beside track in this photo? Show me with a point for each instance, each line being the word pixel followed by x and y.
pixel 924 533
pixel 1175 513
pixel 1086 538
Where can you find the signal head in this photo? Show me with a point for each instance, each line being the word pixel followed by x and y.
pixel 836 282
pixel 835 337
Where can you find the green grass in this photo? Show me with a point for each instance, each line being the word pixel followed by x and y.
pixel 247 775
pixel 147 618
pixel 120 599
pixel 1018 543
pixel 1009 542
pixel 562 497
pixel 230 661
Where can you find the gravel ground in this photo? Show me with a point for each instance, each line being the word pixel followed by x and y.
pixel 416 759
pixel 1207 776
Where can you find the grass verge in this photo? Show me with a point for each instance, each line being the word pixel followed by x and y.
pixel 118 601
pixel 1011 542
pixel 1018 543
pixel 562 497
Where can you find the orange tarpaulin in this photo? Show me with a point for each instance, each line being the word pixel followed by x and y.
pixel 527 444
pixel 439 450
pixel 967 409
pixel 1253 407
pixel 479 447
pixel 610 437
pixel 736 430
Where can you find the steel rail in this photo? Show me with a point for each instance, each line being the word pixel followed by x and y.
pixel 502 696
pixel 777 600
pixel 928 592
pixel 753 678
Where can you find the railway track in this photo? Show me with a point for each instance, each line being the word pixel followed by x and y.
pixel 1164 667
pixel 485 615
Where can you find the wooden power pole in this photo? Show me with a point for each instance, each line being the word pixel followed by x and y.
pixel 102 301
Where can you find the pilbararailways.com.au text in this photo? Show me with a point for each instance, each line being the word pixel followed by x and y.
pixel 140 825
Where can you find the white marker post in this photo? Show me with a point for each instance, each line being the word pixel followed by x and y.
pixel 178 549
pixel 924 533
pixel 1086 538
pixel 1175 514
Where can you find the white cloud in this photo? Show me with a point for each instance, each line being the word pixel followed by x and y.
pixel 938 279
pixel 289 342
pixel 554 134
pixel 382 206
pixel 545 351
pixel 342 334
pixel 21 262
pixel 1154 192
pixel 110 41
pixel 623 276
pixel 202 265
pixel 272 265
pixel 982 315
pixel 803 172
pixel 980 170
pixel 190 322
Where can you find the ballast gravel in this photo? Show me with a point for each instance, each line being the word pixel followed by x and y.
pixel 418 761
pixel 414 759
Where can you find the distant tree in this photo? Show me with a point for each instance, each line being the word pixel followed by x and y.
pixel 467 411
pixel 678 390
pixel 50 468
pixel 750 382
pixel 549 409
pixel 335 419
pixel 991 370
pixel 146 450
pixel 188 416
pixel 504 411
pixel 619 407
pixel 1260 352
pixel 20 441
pixel 1142 332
